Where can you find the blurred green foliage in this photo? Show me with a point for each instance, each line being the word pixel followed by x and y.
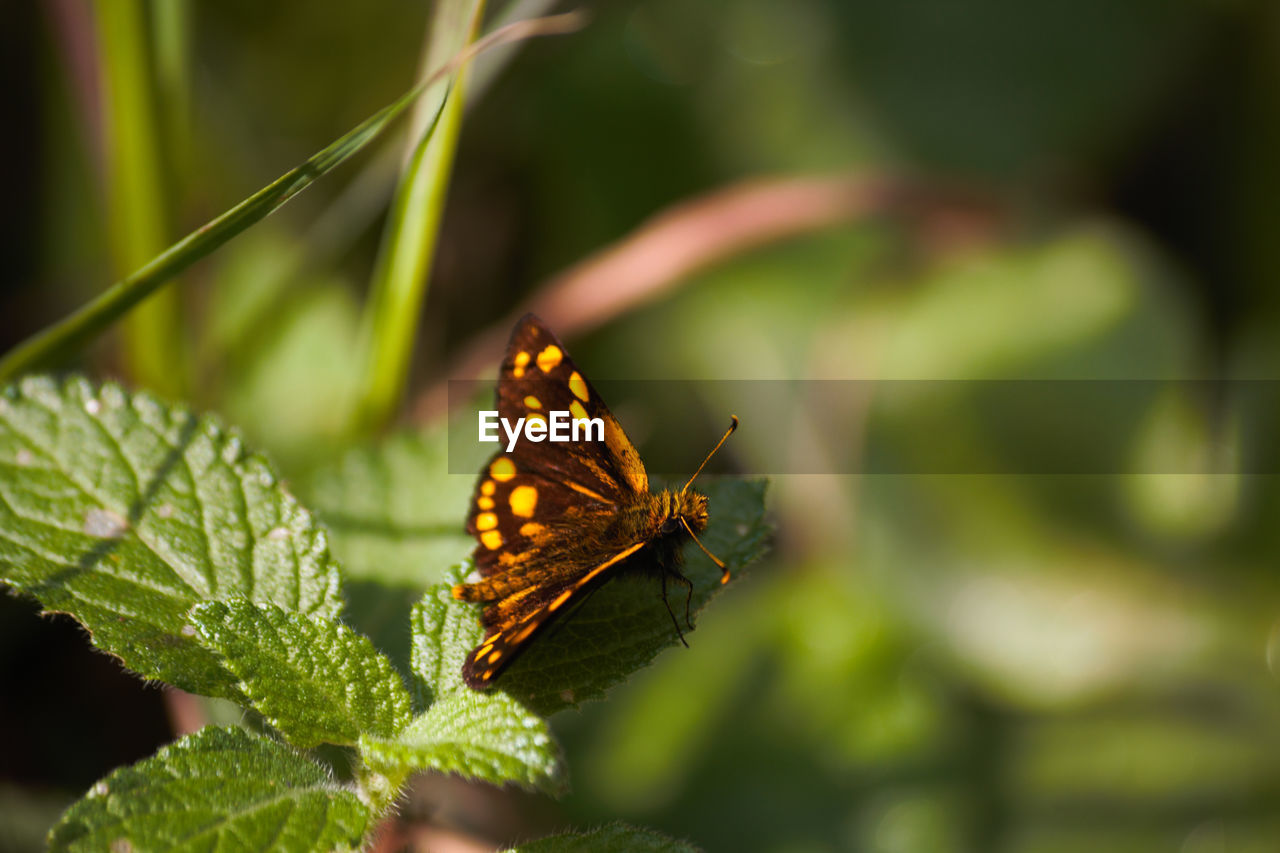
pixel 928 662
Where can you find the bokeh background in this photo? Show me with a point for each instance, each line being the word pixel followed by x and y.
pixel 944 190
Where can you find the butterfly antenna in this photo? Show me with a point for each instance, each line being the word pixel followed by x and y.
pixel 722 440
pixel 724 570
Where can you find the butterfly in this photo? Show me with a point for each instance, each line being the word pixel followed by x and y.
pixel 555 521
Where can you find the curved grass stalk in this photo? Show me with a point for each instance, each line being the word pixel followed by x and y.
pixel 403 269
pixel 58 341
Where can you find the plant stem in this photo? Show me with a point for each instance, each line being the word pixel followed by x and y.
pixel 404 263
pixel 171 26
pixel 136 209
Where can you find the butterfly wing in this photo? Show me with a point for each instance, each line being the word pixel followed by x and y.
pixel 522 620
pixel 537 377
pixel 540 487
pixel 534 508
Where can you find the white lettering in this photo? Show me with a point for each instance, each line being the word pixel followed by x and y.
pixel 589 424
pixel 559 426
pixel 559 418
pixel 512 434
pixel 488 426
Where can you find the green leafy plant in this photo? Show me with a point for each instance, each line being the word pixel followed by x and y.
pixel 186 557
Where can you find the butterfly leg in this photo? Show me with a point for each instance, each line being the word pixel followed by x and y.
pixel 574 608
pixel 670 612
pixel 688 598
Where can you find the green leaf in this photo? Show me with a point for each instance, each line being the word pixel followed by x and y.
pixel 124 512
pixel 442 632
pixel 314 679
pixel 490 737
pixel 487 736
pixel 382 613
pixel 218 789
pixel 619 630
pixel 614 838
pixel 395 515
pixel 395 511
pixel 625 623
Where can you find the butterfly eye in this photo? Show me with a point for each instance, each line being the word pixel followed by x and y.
pixel 671 525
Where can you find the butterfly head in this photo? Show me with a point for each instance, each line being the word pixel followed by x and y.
pixel 682 511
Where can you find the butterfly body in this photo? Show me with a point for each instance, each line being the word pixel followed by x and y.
pixel 555 521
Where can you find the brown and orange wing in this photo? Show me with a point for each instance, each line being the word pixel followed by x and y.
pixel 540 486
pixel 532 508
pixel 537 377
pixel 521 618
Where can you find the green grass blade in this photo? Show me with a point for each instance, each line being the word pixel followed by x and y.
pixel 137 208
pixel 56 342
pixel 65 336
pixel 409 243
pixel 171 27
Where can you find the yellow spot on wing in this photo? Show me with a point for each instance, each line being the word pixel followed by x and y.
pixel 577 410
pixel 578 386
pixel 585 491
pixel 549 358
pixel 590 576
pixel 522 359
pixel 491 539
pixel 531 529
pixel 523 500
pixel 488 487
pixel 484 503
pixel 486 521
pixel 537 416
pixel 622 555
pixel 502 469
pixel 493 658
pixel 525 632
pixel 533 402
